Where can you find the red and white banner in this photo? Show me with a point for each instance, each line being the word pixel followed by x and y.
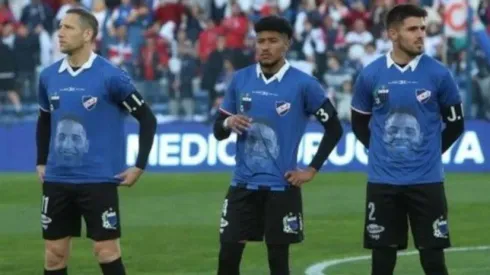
pixel 456 15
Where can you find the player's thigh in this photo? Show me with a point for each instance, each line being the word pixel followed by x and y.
pixel 428 214
pixel 99 204
pixel 385 223
pixel 284 216
pixel 242 216
pixel 60 216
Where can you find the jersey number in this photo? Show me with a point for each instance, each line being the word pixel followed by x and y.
pixel 44 205
pixel 322 115
pixel 371 208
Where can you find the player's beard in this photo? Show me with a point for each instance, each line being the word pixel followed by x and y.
pixel 269 65
pixel 71 50
pixel 411 51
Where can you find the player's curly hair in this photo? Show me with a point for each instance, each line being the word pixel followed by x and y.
pixel 401 12
pixel 274 23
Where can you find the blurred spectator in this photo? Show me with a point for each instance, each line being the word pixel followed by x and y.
pixel 36 14
pixel 184 71
pixel 359 34
pixel 370 54
pixel 7 77
pixel 235 28
pixel 343 100
pixel 120 52
pixel 335 75
pixel 5 13
pixel 26 52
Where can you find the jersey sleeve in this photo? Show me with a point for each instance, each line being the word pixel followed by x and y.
pixel 42 91
pixel 120 86
pixel 448 93
pixel 229 101
pixel 314 96
pixel 362 100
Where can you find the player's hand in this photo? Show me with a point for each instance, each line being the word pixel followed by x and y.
pixel 130 176
pixel 239 123
pixel 41 171
pixel 299 177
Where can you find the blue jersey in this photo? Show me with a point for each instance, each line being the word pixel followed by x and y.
pixel 280 108
pixel 87 123
pixel 406 125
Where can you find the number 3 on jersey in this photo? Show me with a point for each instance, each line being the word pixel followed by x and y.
pixel 322 115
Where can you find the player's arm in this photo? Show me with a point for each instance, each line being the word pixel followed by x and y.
pixel 125 94
pixel 136 106
pixel 327 116
pixel 451 111
pixel 361 110
pixel 43 128
pixel 222 128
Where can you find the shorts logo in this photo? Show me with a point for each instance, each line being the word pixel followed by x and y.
pixel 282 107
pixel 45 221
pixel 440 227
pixel 423 95
pixel 89 102
pixel 292 224
pixel 245 103
pixel 54 102
pixel 109 219
pixel 224 222
pixel 375 230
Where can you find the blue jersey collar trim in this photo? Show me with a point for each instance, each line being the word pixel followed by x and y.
pixel 412 64
pixel 87 65
pixel 279 75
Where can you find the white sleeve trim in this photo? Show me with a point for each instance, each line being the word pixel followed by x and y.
pixel 226 112
pixel 44 110
pixel 359 111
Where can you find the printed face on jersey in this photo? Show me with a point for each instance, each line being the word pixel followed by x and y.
pixel 402 133
pixel 271 47
pixel 261 147
pixel 70 143
pixel 409 36
pixel 72 34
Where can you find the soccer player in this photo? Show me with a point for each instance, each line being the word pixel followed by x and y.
pixel 400 103
pixel 268 105
pixel 84 101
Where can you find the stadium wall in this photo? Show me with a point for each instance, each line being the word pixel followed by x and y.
pixel 191 147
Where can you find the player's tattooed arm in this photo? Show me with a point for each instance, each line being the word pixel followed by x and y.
pixel 43 135
pixel 135 105
pixel 220 132
pixel 360 127
pixel 327 116
pixel 454 119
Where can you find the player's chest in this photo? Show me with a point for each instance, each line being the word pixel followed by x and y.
pixel 80 97
pixel 405 92
pixel 274 100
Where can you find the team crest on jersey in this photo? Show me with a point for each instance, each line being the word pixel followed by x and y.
pixel 292 224
pixel 54 102
pixel 245 103
pixel 381 95
pixel 89 102
pixel 423 95
pixel 282 107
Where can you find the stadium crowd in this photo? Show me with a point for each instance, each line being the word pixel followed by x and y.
pixel 182 53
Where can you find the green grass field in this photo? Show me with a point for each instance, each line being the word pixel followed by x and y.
pixel 170 226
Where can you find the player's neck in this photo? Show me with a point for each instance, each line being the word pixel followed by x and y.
pixel 77 59
pixel 401 57
pixel 273 69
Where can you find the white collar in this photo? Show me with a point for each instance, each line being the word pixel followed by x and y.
pixel 412 64
pixel 87 65
pixel 279 75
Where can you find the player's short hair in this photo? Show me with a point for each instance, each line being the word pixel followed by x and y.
pixel 87 19
pixel 274 23
pixel 399 13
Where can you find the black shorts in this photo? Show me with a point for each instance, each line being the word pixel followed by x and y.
pixel 248 215
pixel 64 205
pixel 390 209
